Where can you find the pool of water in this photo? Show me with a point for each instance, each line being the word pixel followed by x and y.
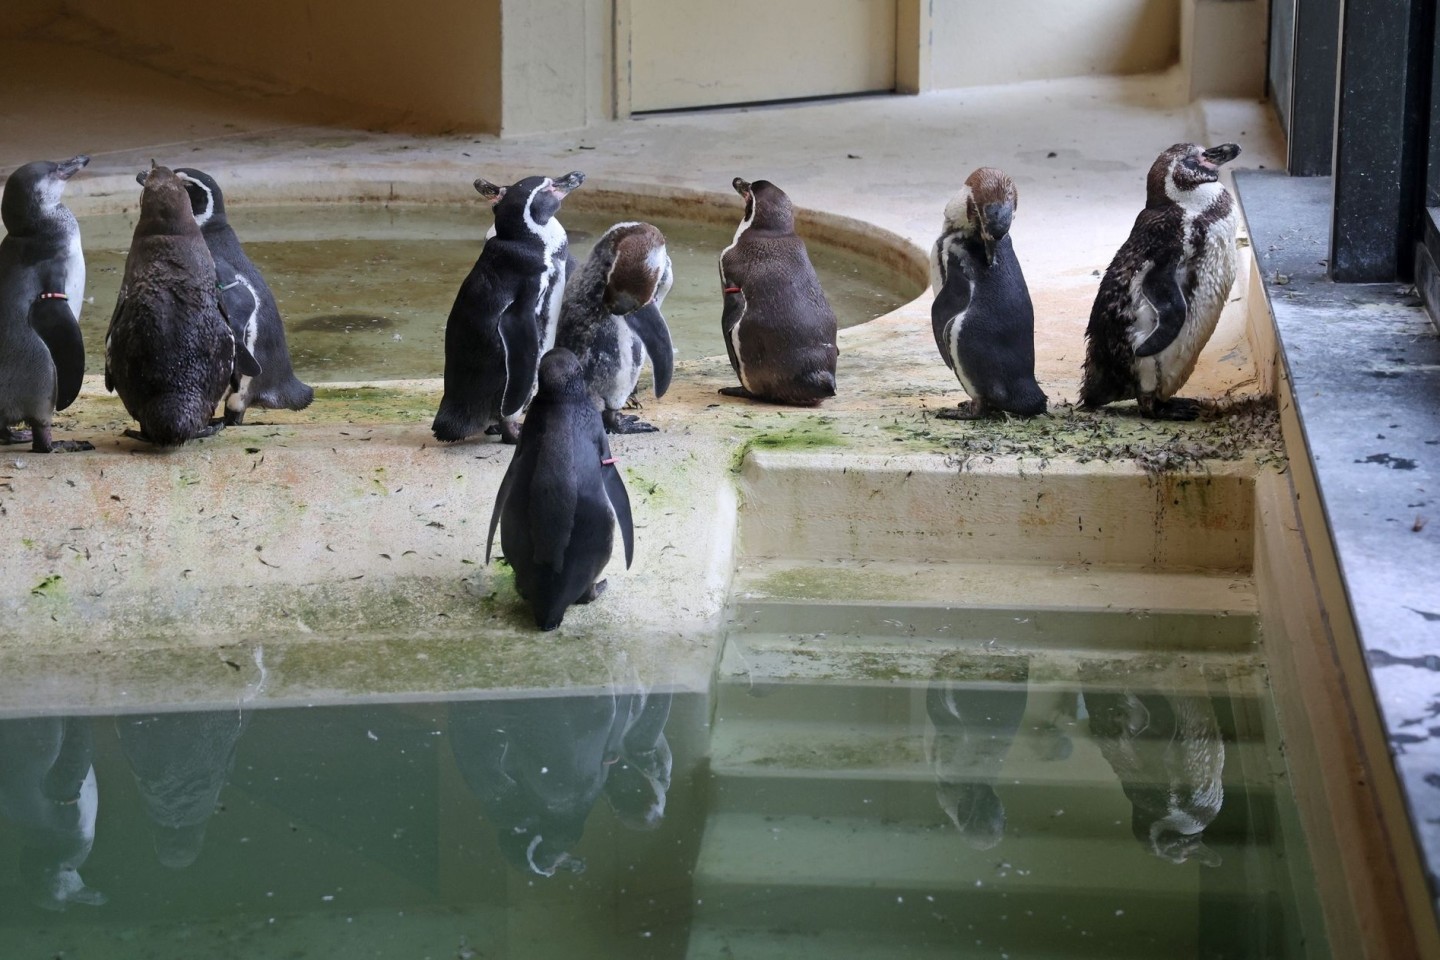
pixel 365 288
pixel 857 782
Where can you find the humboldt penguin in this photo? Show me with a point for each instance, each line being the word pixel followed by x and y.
pixel 248 305
pixel 169 353
pixel 972 726
pixel 779 329
pixel 561 497
pixel 1163 293
pixel 1170 758
pixel 983 322
pixel 504 317
pixel 611 319
pixel 42 288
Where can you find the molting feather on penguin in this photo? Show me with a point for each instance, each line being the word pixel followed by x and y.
pixel 169 353
pixel 1163 293
pixel 982 318
pixel 248 306
pixel 42 288
pixel 505 315
pixel 561 497
pixel 778 327
pixel 611 319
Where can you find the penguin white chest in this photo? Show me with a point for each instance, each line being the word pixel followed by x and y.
pixel 75 274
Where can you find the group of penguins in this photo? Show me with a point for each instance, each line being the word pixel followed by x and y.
pixel 533 332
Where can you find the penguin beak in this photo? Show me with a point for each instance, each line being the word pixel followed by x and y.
pixel 140 177
pixel 68 168
pixel 742 187
pixel 563 185
pixel 1224 153
pixel 994 225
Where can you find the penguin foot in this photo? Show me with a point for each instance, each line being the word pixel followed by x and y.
pixel 140 435
pixel 210 429
pixel 8 436
pixel 738 392
pixel 617 422
pixel 60 446
pixel 1176 408
pixel 509 432
pixel 968 410
pixel 596 588
pixel 234 418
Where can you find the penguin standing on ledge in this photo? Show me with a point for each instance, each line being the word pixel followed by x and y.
pixel 779 329
pixel 42 286
pixel 561 497
pixel 505 314
pixel 1163 293
pixel 982 318
pixel 248 305
pixel 169 353
pixel 611 319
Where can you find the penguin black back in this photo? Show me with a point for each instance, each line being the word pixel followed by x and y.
pixel 493 336
pixel 561 497
pixel 778 327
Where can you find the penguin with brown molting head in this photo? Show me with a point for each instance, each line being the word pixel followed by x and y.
pixel 42 287
pixel 248 305
pixel 982 318
pixel 505 314
pixel 779 329
pixel 1163 293
pixel 169 353
pixel 561 497
pixel 611 319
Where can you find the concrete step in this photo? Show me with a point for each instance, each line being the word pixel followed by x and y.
pixel 967 584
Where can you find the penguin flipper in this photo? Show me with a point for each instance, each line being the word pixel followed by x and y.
pixel 1161 288
pixel 240 306
pixel 521 337
pixel 109 331
pixel 649 325
pixel 55 323
pixel 619 499
pixel 506 485
pixel 734 310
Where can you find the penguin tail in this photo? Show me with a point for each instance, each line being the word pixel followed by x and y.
pixel 1030 402
pixel 820 383
pixel 168 424
pixel 452 425
pixel 292 395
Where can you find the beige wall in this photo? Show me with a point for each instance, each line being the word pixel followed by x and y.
pixel 558 69
pixel 433 64
pixel 979 42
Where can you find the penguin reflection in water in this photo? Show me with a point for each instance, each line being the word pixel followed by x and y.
pixel 982 318
pixel 1169 756
pixel 1163 293
pixel 538 766
pixel 561 497
pixel 779 329
pixel 42 286
pixel 505 315
pixel 611 319
pixel 247 304
pixel 169 353
pixel 971 728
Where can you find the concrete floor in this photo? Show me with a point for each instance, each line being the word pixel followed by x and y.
pixel 337 551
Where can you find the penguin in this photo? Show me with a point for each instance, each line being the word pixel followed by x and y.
pixel 779 329
pixel 972 727
pixel 505 315
pixel 639 779
pixel 1169 756
pixel 169 353
pixel 48 793
pixel 42 288
pixel 1163 293
pixel 248 305
pixel 982 318
pixel 561 497
pixel 181 761
pixel 611 319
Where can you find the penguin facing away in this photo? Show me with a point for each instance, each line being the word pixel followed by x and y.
pixel 42 287
pixel 169 353
pixel 248 305
pixel 1163 293
pixel 611 319
pixel 982 317
pixel 506 311
pixel 779 329
pixel 561 497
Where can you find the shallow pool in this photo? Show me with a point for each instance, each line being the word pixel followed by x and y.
pixel 858 782
pixel 365 288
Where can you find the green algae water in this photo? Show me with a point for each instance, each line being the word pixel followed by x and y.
pixel 858 782
pixel 365 288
